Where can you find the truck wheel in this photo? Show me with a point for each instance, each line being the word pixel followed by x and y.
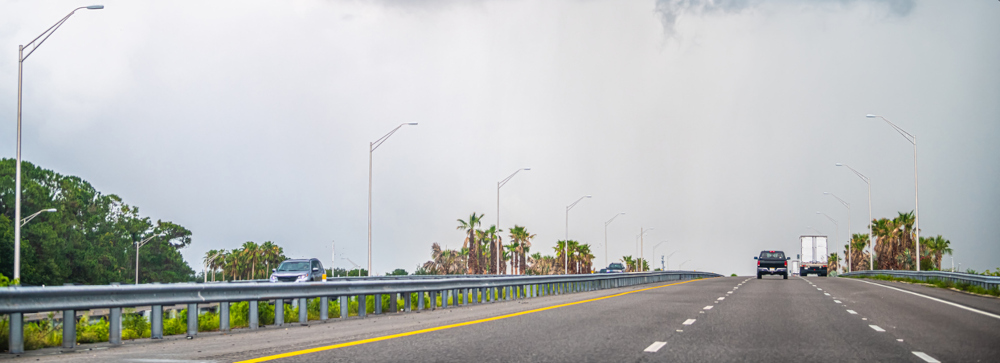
pixel 786 276
pixel 758 275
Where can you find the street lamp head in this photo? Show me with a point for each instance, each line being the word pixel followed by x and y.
pixel 838 164
pixel 871 115
pixel 825 193
pixel 622 213
pixel 50 210
pixel 819 212
pixel 587 196
pixel 95 7
pixel 412 123
pixel 526 169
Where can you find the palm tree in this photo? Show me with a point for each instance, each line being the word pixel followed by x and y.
pixel 493 235
pixel 583 251
pixel 250 253
pixel 629 263
pixel 834 261
pixel 470 241
pixel 574 259
pixel 936 247
pixel 560 250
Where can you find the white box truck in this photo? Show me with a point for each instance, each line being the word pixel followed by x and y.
pixel 814 256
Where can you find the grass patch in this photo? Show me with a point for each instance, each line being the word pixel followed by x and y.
pixel 945 284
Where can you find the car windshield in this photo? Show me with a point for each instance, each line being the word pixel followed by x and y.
pixel 294 266
pixel 772 255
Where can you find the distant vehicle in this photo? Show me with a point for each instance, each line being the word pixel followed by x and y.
pixel 772 263
pixel 615 267
pixel 814 256
pixel 298 270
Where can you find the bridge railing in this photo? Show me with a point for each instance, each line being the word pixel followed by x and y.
pixel 986 282
pixel 463 290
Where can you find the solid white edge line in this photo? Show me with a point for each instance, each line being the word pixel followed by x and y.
pixel 938 300
pixel 926 357
pixel 652 348
pixel 689 321
pixel 877 328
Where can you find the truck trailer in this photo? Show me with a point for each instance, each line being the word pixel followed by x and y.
pixel 814 257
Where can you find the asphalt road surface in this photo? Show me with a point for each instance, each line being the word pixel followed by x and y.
pixel 711 320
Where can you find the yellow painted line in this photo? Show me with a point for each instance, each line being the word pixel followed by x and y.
pixel 443 327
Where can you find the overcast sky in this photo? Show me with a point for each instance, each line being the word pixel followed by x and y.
pixel 717 123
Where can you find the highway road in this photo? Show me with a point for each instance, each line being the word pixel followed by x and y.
pixel 711 320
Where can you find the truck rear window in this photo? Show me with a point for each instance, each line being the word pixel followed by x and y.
pixel 773 255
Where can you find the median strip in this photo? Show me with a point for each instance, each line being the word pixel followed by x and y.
pixel 443 327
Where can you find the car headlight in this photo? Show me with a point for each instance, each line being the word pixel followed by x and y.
pixel 274 278
pixel 302 278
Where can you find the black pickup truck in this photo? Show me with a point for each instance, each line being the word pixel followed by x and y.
pixel 772 263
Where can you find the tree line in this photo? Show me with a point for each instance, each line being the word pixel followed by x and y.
pixel 90 239
pixel 894 247
pixel 248 262
pixel 483 252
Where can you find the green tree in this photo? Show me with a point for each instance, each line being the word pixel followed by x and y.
pixel 90 239
pixel 471 242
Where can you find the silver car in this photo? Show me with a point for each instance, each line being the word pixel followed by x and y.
pixel 298 270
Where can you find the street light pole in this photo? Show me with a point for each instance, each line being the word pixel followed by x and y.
pixel 916 184
pixel 21 57
pixel 682 264
pixel 871 251
pixel 836 228
pixel 566 243
pixel 606 236
pixel 371 150
pixel 137 246
pixel 638 247
pixel 654 248
pixel 850 237
pixel 501 184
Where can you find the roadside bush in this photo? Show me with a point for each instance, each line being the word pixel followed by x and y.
pixel 208 321
pixel 42 334
pixel 176 325
pixel 135 326
pixel 91 332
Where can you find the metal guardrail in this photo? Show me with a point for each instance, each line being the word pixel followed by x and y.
pixel 463 290
pixel 987 282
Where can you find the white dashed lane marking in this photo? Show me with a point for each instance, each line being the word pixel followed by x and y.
pixel 653 348
pixel 689 321
pixel 853 312
pixel 721 298
pixel 926 357
pixel 708 307
pixel 877 328
pixel 836 301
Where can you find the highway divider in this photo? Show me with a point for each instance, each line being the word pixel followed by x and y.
pixel 463 290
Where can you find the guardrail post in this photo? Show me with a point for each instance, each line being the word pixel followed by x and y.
pixel 252 319
pixel 456 297
pixel 324 308
pixel 279 312
pixel 433 299
pixel 16 337
pixel 394 302
pixel 115 326
pixel 465 296
pixel 378 304
pixel 406 301
pixel 362 305
pixel 192 320
pixel 69 329
pixel 224 316
pixel 303 310
pixel 420 301
pixel 508 290
pixel 344 306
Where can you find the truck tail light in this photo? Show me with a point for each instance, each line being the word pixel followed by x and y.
pixel 786 263
pixel 824 266
pixel 758 263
